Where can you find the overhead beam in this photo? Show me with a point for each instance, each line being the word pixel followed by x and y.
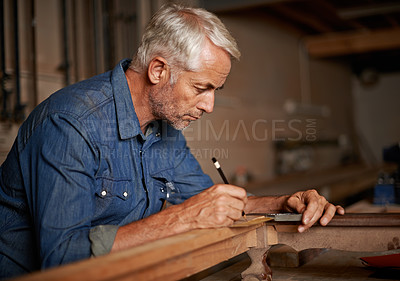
pixel 348 43
pixel 367 11
pixel 230 5
pixel 302 17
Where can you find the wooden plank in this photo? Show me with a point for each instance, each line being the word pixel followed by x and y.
pixel 165 259
pixel 371 239
pixel 347 220
pixel 366 219
pixel 351 232
pixel 346 43
pixel 192 262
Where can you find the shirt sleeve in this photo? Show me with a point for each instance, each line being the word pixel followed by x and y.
pixel 102 239
pixel 59 163
pixel 189 177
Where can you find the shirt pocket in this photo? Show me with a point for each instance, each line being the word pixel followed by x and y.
pixel 110 188
pixel 163 184
pixel 114 198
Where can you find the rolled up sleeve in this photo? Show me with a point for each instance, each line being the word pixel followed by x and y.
pixel 102 239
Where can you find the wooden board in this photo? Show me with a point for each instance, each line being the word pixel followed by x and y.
pixel 351 232
pixel 182 255
pixel 250 220
pixel 346 43
pixel 171 258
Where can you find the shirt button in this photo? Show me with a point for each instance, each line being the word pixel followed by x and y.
pixel 158 135
pixel 125 194
pixel 103 193
pixel 162 189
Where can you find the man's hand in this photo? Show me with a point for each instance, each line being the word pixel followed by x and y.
pixel 219 205
pixel 313 206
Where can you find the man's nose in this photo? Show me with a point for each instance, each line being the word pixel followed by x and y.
pixel 206 103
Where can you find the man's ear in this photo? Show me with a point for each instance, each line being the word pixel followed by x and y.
pixel 158 70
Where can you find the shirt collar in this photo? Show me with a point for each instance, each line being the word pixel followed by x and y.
pixel 127 120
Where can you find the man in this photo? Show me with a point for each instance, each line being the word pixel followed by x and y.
pixel 92 165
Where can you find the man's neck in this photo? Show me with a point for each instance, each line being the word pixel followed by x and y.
pixel 139 93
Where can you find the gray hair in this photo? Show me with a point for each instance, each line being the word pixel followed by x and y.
pixel 178 34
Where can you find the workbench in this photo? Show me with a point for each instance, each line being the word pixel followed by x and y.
pixel 339 185
pixel 329 265
pixel 182 255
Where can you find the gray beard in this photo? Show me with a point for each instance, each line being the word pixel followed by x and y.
pixel 163 107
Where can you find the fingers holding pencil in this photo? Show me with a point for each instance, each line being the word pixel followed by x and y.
pixel 221 173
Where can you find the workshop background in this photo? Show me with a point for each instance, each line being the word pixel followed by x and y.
pixel 313 102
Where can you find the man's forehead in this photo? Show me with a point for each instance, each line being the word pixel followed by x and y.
pixel 208 83
pixel 212 76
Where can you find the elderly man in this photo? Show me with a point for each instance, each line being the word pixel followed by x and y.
pixel 92 165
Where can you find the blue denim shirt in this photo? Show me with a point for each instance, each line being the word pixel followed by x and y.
pixel 79 161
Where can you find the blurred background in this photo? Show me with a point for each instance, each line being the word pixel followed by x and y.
pixel 313 103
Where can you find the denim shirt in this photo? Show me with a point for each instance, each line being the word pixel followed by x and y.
pixel 80 161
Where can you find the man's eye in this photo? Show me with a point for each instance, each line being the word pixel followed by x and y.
pixel 200 90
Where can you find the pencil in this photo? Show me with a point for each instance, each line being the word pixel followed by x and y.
pixel 221 173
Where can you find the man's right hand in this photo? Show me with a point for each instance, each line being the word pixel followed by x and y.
pixel 217 206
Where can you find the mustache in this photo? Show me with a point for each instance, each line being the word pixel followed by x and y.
pixel 198 116
pixel 195 114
